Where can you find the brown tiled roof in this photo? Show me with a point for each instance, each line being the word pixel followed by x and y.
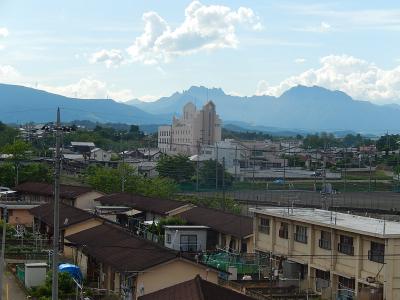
pixel 124 252
pixel 69 215
pixel 195 289
pixel 227 223
pixel 47 189
pixel 142 203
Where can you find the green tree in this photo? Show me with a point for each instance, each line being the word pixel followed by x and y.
pixel 66 287
pixel 19 152
pixel 109 180
pixel 177 167
pixel 207 173
pixel 7 134
pixel 157 187
pixel 158 228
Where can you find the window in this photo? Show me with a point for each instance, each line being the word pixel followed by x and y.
pixel 322 275
pixel 284 230
pixel 189 243
pixel 346 245
pixel 264 225
pixel 346 283
pixel 377 252
pixel 168 238
pixel 301 234
pixel 325 240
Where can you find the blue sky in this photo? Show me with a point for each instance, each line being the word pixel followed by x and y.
pixel 102 48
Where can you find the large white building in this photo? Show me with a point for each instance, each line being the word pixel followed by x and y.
pixel 195 128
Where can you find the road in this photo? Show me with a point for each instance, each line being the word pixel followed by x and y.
pixel 15 292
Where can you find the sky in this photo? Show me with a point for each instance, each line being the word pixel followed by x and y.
pixel 148 49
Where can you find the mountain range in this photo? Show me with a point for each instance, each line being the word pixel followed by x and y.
pixel 20 104
pixel 300 109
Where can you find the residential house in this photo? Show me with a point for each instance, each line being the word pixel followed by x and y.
pixel 18 214
pixel 186 238
pixel 72 220
pixel 227 230
pixel 147 208
pixel 98 154
pixel 40 192
pixel 149 154
pixel 82 147
pixel 337 254
pixel 195 289
pixel 130 266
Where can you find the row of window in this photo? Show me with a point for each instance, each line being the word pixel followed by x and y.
pixel 345 245
pixel 164 140
pixel 164 133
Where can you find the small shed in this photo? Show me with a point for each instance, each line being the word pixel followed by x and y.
pixel 35 274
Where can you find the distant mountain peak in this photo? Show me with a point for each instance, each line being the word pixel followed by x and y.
pixel 196 90
pixel 302 91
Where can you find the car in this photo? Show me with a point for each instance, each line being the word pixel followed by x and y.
pixel 279 181
pixel 316 174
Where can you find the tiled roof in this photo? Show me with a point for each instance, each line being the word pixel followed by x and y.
pixel 142 203
pixel 69 215
pixel 47 189
pixel 124 252
pixel 195 289
pixel 224 222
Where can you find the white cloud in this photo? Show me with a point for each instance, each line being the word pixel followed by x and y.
pixel 300 60
pixel 3 32
pixel 85 88
pixel 111 58
pixel 359 78
pixel 88 88
pixel 322 28
pixel 205 28
pixel 9 74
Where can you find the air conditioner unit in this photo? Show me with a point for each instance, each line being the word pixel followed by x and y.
pixel 371 279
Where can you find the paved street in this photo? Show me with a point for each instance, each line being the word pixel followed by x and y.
pixel 14 290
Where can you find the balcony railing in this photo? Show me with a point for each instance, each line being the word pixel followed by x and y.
pixel 325 244
pixel 346 249
pixel 376 256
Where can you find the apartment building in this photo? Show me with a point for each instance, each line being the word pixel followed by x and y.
pixel 340 256
pixel 193 129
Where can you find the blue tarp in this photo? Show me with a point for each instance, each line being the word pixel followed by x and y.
pixel 72 270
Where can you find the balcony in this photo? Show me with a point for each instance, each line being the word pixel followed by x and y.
pixel 325 244
pixel 346 249
pixel 376 256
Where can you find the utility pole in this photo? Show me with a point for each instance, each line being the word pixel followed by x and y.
pixel 254 162
pixel 236 162
pixel 370 173
pixel 3 248
pixel 216 167
pixel 223 183
pixel 56 232
pixel 197 166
